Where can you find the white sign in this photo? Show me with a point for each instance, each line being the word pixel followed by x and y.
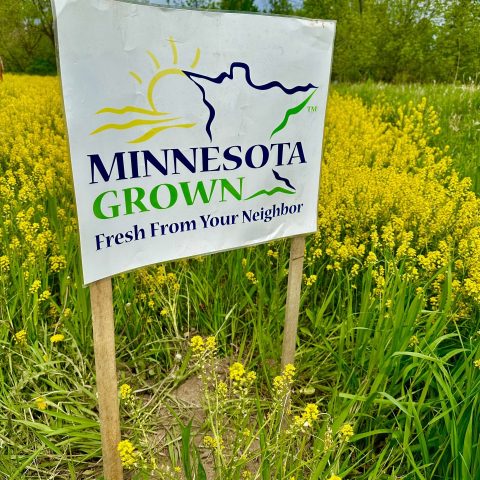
pixel 190 132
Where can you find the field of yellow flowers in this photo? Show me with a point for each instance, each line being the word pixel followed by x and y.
pixel 386 382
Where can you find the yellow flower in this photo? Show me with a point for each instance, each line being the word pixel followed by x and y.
pixel 346 432
pixel 164 312
pixel 371 258
pixel 308 417
pixel 311 412
pixel 237 370
pixel 4 263
pixel 197 344
pixel 282 383
pixel 309 281
pixel 45 295
pixel 212 443
pixel 125 391
pixel 211 344
pixel 334 477
pixel 35 286
pixel 21 337
pixel 272 253
pixel 58 337
pixel 278 382
pixel 40 403
pixel 289 371
pixel 222 389
pixel 128 454
pixel 413 341
pixel 57 263
pixel 251 277
pixel 477 363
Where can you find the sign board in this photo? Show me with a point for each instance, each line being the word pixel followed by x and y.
pixel 190 132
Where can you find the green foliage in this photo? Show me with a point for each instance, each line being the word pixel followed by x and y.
pixel 391 41
pixel 280 7
pixel 27 38
pixel 240 5
pixel 398 41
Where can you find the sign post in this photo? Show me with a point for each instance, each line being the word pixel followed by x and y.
pixel 292 307
pixel 104 348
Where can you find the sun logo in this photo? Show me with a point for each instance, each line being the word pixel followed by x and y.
pixel 152 117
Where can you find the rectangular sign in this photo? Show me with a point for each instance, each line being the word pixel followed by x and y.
pixel 190 132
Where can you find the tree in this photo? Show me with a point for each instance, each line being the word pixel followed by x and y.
pixel 26 30
pixel 239 5
pixel 281 7
pixel 458 41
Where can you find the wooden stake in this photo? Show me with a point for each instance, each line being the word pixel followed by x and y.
pixel 295 270
pixel 104 348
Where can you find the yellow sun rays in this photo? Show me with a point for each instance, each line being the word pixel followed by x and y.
pixel 152 111
pixel 174 50
pixel 136 77
pixel 154 59
pixel 196 59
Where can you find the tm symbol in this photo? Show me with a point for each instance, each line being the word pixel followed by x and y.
pixel 312 108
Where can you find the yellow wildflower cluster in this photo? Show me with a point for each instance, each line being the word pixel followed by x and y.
pixel 413 341
pixel 45 295
pixel 57 263
pixel 308 417
pixel 272 253
pixel 200 346
pixel 21 337
pixel 35 172
pixel 4 263
pixel 394 201
pixel 35 286
pixel 212 443
pixel 251 277
pixel 58 337
pixel 125 391
pixel 41 403
pixel 128 454
pixel 310 280
pixel 237 371
pixel 239 375
pixel 282 383
pixel 346 432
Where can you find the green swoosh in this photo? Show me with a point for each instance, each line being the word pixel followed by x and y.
pixel 290 112
pixel 270 192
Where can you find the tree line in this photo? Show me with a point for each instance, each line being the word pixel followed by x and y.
pixel 380 40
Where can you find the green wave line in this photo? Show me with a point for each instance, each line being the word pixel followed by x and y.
pixel 290 112
pixel 271 192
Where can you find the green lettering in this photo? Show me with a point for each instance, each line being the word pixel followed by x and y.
pixel 97 207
